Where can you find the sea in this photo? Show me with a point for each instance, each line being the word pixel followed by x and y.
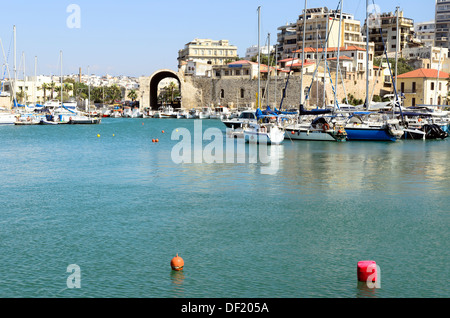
pixel 99 211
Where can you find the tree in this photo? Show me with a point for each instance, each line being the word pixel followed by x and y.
pixel 264 59
pixel 132 95
pixel 403 66
pixel 45 87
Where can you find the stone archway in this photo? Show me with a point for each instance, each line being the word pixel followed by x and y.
pixel 155 78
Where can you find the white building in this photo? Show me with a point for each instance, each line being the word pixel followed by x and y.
pixel 253 51
pixel 425 32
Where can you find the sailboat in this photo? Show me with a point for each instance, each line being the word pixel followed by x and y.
pixel 314 124
pixel 267 129
pixel 366 125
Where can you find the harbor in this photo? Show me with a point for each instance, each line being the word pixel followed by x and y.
pixel 120 208
pixel 315 167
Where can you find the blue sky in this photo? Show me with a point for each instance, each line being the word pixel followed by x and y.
pixel 138 37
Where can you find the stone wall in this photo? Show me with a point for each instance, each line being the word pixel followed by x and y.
pixel 235 91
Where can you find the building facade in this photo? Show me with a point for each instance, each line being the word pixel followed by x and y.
pixel 317 21
pixel 423 87
pixel 384 33
pixel 425 32
pixel 209 51
pixel 442 18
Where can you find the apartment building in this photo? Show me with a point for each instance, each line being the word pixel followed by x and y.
pixel 425 32
pixel 384 34
pixel 442 18
pixel 317 21
pixel 206 50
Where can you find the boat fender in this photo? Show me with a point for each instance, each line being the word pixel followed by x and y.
pixel 325 127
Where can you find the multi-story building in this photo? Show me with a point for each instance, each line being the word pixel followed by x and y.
pixel 423 86
pixel 442 18
pixel 425 32
pixel 209 51
pixel 317 20
pixel 287 40
pixel 384 33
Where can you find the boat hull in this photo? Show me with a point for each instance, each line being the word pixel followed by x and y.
pixel 369 134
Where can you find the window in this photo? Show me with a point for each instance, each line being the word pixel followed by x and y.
pixel 222 93
pixel 242 93
pixel 413 102
pixel 413 87
pixel 432 87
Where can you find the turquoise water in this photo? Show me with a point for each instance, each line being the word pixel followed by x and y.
pixel 120 208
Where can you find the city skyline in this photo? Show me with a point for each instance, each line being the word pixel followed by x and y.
pixel 139 37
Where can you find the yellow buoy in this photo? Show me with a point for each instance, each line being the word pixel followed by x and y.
pixel 98 135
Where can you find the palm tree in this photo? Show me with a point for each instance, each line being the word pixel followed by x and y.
pixel 52 88
pixel 45 87
pixel 132 95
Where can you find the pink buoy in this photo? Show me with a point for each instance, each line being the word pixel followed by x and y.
pixel 367 270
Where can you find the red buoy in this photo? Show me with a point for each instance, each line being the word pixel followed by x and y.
pixel 292 132
pixel 177 263
pixel 367 271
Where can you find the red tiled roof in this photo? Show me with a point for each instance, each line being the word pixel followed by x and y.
pixel 242 62
pixel 332 49
pixel 341 58
pixel 424 73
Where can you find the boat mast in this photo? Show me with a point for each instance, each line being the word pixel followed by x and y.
pixel 61 79
pixel 259 58
pixel 268 68
pixel 15 66
pixel 276 76
pixel 303 54
pixel 367 55
pixel 397 44
pixel 35 81
pixel 338 55
pixel 24 85
pixel 325 52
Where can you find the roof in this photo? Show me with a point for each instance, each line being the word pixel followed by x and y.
pixel 332 49
pixel 341 58
pixel 242 62
pixel 424 73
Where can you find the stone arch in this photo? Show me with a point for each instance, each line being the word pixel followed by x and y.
pixel 157 77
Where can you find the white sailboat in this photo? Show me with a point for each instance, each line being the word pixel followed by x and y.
pixel 265 130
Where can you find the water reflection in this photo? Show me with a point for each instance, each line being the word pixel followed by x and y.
pixel 364 291
pixel 177 278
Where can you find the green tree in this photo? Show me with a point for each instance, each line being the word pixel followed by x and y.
pixel 132 95
pixel 403 66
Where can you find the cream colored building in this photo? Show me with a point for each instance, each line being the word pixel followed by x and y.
pixel 316 31
pixel 384 33
pixel 208 51
pixel 422 87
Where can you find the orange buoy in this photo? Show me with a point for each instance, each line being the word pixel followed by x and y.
pixel 153 140
pixel 156 140
pixel 177 263
pixel 162 131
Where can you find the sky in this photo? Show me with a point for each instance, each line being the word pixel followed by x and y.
pixel 138 37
